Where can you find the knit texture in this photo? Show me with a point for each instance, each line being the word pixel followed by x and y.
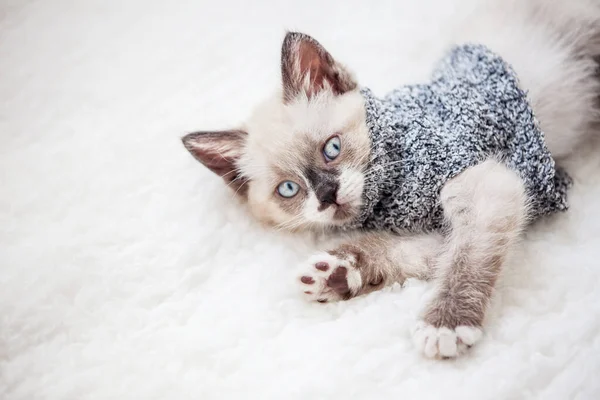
pixel 423 135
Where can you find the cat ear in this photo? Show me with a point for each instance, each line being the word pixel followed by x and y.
pixel 306 67
pixel 219 151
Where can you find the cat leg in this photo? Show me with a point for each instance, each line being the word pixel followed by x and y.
pixel 486 207
pixel 366 263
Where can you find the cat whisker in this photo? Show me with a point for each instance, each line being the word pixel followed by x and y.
pixel 291 224
pixel 227 173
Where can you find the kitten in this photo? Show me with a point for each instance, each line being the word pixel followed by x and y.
pixel 301 160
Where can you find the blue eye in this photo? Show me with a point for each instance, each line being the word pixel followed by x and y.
pixel 332 148
pixel 288 189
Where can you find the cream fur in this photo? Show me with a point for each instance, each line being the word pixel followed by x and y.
pixel 278 136
pixel 551 46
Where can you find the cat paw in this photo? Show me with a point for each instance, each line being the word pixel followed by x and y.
pixel 327 277
pixel 444 342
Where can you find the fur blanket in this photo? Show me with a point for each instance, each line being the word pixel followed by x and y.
pixel 128 272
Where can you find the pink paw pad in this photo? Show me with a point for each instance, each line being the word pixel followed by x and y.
pixel 322 266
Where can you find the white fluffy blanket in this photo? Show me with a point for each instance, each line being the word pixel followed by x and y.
pixel 128 272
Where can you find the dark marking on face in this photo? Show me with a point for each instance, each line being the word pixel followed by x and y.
pixel 325 185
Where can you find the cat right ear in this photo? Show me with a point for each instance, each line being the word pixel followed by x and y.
pixel 220 152
pixel 307 68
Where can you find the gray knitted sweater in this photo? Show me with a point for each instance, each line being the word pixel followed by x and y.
pixel 423 135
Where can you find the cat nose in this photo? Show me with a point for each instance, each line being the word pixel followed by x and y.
pixel 327 193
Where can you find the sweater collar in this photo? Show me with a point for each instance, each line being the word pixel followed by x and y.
pixel 381 134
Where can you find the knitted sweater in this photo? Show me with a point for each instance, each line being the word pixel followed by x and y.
pixel 423 135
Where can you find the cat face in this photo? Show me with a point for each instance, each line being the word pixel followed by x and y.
pixel 300 160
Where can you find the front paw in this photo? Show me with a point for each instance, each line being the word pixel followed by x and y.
pixel 448 329
pixel 327 277
pixel 444 342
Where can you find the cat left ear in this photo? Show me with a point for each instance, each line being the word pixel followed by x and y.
pixel 220 152
pixel 306 67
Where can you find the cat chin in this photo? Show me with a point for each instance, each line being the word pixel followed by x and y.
pixel 333 215
pixel 336 216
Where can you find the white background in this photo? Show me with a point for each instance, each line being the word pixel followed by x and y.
pixel 127 271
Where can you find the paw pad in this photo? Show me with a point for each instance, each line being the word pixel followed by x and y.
pixel 322 266
pixel 338 281
pixel 330 278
